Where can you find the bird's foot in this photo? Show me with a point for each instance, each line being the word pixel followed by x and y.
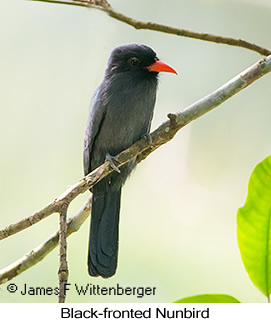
pixel 112 160
pixel 148 137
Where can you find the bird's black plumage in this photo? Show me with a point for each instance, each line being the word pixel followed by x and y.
pixel 121 113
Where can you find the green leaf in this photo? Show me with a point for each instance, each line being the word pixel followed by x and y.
pixel 209 298
pixel 253 227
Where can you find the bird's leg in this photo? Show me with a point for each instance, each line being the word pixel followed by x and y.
pixel 148 137
pixel 111 160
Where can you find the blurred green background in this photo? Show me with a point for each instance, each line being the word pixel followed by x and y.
pixel 178 214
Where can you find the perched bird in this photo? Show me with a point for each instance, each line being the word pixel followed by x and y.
pixel 120 114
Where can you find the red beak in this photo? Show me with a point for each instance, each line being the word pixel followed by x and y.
pixel 159 66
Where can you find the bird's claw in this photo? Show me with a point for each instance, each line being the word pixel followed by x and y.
pixel 148 137
pixel 111 160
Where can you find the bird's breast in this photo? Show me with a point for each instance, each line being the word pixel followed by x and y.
pixel 129 110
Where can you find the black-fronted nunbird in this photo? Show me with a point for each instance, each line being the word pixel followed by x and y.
pixel 120 114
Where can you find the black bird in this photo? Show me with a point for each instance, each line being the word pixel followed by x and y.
pixel 120 114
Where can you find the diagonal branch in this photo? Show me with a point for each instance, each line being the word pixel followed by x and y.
pixel 104 6
pixel 143 147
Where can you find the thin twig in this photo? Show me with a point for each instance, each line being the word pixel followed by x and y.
pixel 164 28
pixel 36 255
pixel 25 223
pixel 63 265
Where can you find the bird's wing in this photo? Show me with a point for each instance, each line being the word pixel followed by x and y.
pixel 94 124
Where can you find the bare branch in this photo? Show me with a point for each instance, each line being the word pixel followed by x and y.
pixel 63 266
pixel 104 6
pixel 36 255
pixel 143 148
pixel 25 223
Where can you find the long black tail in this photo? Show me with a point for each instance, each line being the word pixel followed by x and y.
pixel 104 234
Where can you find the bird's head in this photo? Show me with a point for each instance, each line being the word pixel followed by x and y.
pixel 136 58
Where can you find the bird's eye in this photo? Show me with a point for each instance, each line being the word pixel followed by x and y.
pixel 134 61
